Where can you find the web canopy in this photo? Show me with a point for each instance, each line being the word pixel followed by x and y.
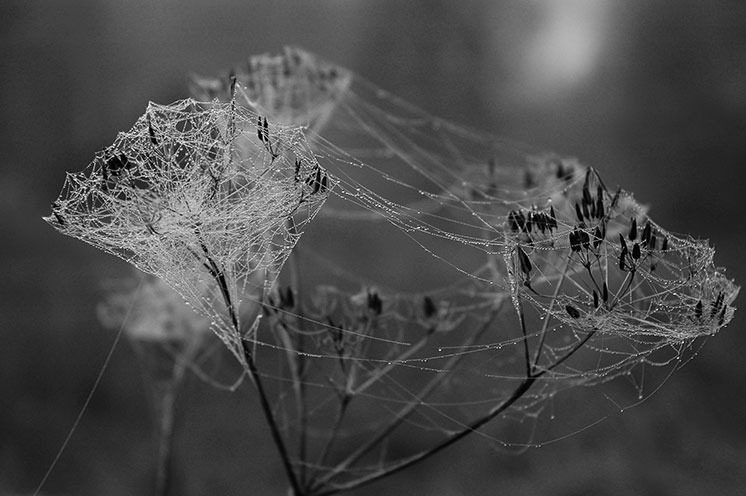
pixel 190 196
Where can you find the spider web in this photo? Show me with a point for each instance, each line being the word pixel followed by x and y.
pixel 529 275
pixel 189 196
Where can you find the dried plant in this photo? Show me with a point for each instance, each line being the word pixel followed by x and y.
pixel 554 279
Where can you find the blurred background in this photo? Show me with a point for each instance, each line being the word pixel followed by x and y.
pixel 652 94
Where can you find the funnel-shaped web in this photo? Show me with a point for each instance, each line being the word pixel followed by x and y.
pixel 189 195
pixel 549 277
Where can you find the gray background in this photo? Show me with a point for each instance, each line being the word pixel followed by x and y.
pixel 652 93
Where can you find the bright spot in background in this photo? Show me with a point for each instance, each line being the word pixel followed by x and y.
pixel 565 41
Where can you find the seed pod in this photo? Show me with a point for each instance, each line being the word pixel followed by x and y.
pixel 553 217
pixel 600 202
pixel 259 129
pixel 521 220
pixel 595 299
pixel 645 238
pixel 633 229
pixel 598 237
pixel 289 298
pixel 698 309
pixel 578 212
pixel 374 303
pixel 232 80
pixel 586 213
pixel 585 240
pixel 524 261
pixel 151 132
pixel 586 190
pixel 651 244
pixel 605 292
pixel 664 244
pixel 636 251
pixel 721 319
pixel 572 312
pixel 529 221
pixel 317 181
pixel 513 221
pixel 574 241
pixel 560 170
pixel 716 305
pixel 428 307
pixel 541 221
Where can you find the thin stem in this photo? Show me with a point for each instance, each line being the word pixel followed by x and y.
pixel 404 413
pixel 341 410
pixel 267 409
pixel 526 353
pixel 516 395
pixel 254 373
pixel 545 325
pixel 299 371
pixel 166 401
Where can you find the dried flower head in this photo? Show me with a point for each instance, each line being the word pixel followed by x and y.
pixel 199 193
pixel 295 88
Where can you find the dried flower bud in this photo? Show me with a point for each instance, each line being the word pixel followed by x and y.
pixel 578 213
pixel 600 202
pixel 553 217
pixel 574 240
pixel 524 261
pixel 375 304
pixel 572 312
pixel 646 233
pixel 428 307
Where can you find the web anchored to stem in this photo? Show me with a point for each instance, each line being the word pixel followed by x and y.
pixel 548 278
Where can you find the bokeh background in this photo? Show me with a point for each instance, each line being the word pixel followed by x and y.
pixel 652 93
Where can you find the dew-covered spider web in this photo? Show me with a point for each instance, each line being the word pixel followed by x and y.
pixel 190 196
pixel 451 278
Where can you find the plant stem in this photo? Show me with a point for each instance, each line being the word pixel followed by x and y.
pixel 404 413
pixel 165 398
pixel 267 409
pixel 522 388
pixel 516 395
pixel 219 277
